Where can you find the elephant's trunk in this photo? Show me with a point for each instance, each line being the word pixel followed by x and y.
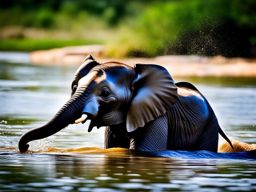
pixel 66 115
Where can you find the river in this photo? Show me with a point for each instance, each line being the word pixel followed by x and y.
pixel 30 95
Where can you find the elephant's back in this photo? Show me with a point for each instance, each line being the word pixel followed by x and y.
pixel 194 102
pixel 187 119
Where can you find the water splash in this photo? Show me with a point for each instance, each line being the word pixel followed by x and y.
pixel 117 152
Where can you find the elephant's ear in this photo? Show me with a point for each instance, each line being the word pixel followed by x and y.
pixel 154 93
pixel 83 70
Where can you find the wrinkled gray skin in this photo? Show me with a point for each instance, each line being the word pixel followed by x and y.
pixel 142 106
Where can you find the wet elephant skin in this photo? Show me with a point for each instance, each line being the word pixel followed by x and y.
pixel 142 107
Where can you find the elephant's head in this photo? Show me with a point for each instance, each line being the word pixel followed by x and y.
pixel 111 93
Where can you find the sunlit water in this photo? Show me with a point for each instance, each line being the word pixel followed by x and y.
pixel 30 95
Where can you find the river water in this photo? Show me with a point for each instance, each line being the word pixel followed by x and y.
pixel 30 95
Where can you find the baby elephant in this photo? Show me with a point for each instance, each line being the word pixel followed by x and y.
pixel 142 107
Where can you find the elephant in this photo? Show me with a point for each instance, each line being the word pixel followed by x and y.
pixel 141 106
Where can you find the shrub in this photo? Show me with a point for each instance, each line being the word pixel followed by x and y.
pixel 209 27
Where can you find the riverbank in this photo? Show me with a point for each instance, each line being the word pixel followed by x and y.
pixel 178 65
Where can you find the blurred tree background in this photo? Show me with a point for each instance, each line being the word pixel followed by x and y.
pixel 132 28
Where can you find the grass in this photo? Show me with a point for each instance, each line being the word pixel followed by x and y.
pixel 29 44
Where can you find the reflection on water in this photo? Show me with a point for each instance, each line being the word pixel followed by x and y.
pixel 31 95
pixel 28 172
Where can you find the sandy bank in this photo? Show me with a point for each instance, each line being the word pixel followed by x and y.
pixel 177 65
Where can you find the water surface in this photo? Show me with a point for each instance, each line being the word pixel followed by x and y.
pixel 30 95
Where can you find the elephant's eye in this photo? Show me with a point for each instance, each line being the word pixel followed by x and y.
pixel 105 92
pixel 74 88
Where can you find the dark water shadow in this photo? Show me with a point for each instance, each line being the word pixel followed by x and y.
pixel 247 155
pixel 122 152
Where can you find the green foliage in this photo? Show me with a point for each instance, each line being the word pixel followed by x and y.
pixel 146 27
pixel 194 27
pixel 41 18
pixel 43 12
pixel 45 19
